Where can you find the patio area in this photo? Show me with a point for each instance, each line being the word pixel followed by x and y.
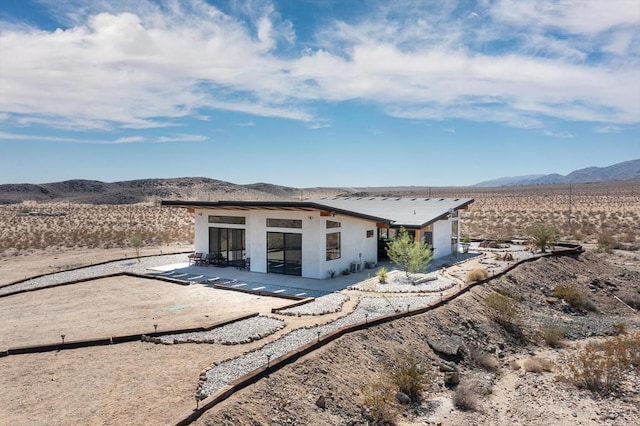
pixel 280 284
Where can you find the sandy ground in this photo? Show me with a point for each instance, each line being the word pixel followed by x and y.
pixel 119 306
pixel 14 268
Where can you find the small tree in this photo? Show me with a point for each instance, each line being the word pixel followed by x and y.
pixel 410 255
pixel 543 235
pixel 136 242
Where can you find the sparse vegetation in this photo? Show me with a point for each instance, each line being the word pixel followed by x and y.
pixel 379 402
pixel 382 275
pixel 575 297
pixel 502 309
pixel 136 242
pixel 410 255
pixel 543 235
pixel 477 274
pixel 464 398
pixel 605 242
pixel 553 334
pixel 600 367
pixel 408 375
pixel 537 365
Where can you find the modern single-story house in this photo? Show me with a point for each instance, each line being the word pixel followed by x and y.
pixel 314 237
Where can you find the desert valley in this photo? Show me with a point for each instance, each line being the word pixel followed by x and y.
pixel 517 372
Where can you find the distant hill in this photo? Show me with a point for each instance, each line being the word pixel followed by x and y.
pixel 628 170
pixel 151 190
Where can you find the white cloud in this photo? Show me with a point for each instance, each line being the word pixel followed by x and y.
pixel 608 129
pixel 122 140
pixel 563 135
pixel 138 65
pixel 245 124
pixel 130 139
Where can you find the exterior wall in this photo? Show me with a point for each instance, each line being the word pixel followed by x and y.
pixel 355 246
pixel 353 240
pixel 442 238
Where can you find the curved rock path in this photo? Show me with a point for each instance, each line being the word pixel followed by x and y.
pixel 369 308
pixel 139 266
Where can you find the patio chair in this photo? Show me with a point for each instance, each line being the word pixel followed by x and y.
pixel 195 258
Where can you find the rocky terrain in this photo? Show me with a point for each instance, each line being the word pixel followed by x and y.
pixel 504 372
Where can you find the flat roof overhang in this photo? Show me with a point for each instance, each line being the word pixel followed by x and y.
pixel 270 205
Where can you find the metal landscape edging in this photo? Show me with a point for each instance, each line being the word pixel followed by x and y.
pixel 292 356
pixel 75 344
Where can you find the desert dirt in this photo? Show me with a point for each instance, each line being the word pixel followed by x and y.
pixel 342 372
pixel 143 383
pixel 119 306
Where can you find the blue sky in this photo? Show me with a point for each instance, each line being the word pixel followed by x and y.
pixel 316 92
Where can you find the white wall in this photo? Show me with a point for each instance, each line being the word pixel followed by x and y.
pixel 442 238
pixel 314 264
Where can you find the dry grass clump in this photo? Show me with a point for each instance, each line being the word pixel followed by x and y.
pixel 601 367
pixel 575 297
pixel 405 375
pixel 502 309
pixel 379 403
pixel 537 365
pixel 553 334
pixel 484 360
pixel 464 398
pixel 477 274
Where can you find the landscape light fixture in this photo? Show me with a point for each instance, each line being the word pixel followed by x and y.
pixel 155 328
pixel 366 317
pixel 408 305
pixel 63 336
pixel 318 335
pixel 268 358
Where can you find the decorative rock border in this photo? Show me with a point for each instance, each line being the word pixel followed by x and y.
pixel 323 305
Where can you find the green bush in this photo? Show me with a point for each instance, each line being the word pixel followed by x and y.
pixel 382 275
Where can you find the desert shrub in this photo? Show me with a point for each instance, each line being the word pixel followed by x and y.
pixel 553 334
pixel 537 365
pixel 575 297
pixel 502 309
pixel 605 242
pixel 477 274
pixel 408 376
pixel 382 275
pixel 543 235
pixel 483 360
pixel 619 328
pixel 379 402
pixel 464 398
pixel 601 367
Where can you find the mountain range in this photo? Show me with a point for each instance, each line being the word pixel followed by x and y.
pixel 628 170
pixel 200 188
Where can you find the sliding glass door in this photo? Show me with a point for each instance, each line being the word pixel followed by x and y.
pixel 227 242
pixel 284 253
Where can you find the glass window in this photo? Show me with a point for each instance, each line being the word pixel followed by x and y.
pixel 370 233
pixel 233 220
pixel 332 224
pixel 333 245
pixel 284 223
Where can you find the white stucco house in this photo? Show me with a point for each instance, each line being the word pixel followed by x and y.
pixel 311 238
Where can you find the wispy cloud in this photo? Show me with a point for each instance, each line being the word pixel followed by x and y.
pixel 137 65
pixel 608 129
pixel 563 135
pixel 245 124
pixel 122 140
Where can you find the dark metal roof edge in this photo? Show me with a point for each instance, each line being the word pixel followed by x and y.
pixel 204 204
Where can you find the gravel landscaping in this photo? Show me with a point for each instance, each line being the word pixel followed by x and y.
pixel 369 308
pixel 244 331
pixel 139 266
pixel 322 305
pixel 397 282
